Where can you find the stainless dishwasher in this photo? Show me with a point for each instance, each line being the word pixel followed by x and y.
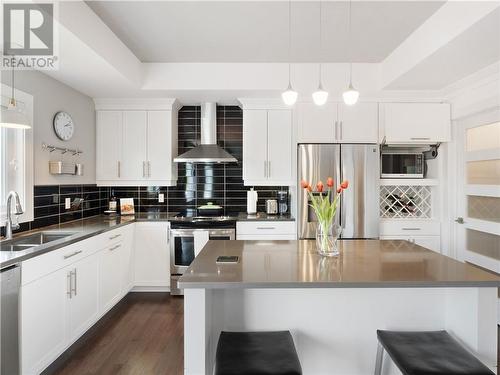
pixel 10 282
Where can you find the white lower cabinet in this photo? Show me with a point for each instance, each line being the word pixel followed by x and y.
pixel 64 292
pixel 423 232
pixel 266 230
pixel 152 256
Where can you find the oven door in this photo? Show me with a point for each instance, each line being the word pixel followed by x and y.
pixel 402 165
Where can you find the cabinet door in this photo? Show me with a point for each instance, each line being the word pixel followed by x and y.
pixel 84 302
pixel 108 144
pixel 316 123
pixel 358 123
pixel 416 122
pixel 159 145
pixel 134 145
pixel 152 255
pixel 110 276
pixel 279 141
pixel 43 321
pixel 254 146
pixel 127 261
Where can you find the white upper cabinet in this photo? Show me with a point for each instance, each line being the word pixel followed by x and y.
pixel 358 123
pixel 136 143
pixel 109 145
pixel 267 147
pixel 416 122
pixel 336 123
pixel 317 123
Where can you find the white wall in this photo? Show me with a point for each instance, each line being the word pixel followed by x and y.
pixel 49 97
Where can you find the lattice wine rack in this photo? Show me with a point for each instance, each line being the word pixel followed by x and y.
pixel 405 201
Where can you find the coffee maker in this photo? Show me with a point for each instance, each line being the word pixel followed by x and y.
pixel 282 196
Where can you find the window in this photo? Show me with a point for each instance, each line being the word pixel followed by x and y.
pixel 16 160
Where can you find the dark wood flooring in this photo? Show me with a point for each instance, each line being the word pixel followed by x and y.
pixel 143 334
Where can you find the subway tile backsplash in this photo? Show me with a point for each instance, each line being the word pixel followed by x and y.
pixel 197 183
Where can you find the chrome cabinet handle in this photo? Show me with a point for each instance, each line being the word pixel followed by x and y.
pixel 420 138
pixel 72 255
pixel 149 169
pixel 74 278
pixel 114 247
pixel 336 126
pixel 119 169
pixel 265 228
pixel 68 285
pixel 411 228
pixel 115 236
pixel 341 129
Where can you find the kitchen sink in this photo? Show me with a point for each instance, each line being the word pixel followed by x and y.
pixel 36 239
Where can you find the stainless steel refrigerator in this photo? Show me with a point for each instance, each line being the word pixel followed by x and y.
pixel 359 205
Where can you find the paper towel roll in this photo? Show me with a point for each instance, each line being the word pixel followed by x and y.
pixel 252 201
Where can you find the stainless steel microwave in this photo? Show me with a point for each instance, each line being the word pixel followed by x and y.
pixel 402 164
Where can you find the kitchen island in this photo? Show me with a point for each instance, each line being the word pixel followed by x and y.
pixel 333 306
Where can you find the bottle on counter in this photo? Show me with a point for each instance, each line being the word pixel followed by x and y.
pixel 112 202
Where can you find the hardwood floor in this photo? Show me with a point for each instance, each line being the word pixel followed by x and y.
pixel 143 334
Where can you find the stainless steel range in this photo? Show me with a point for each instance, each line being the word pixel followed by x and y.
pixel 187 236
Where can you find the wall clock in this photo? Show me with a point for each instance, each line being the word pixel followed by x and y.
pixel 64 126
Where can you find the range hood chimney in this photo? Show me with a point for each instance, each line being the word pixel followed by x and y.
pixel 208 151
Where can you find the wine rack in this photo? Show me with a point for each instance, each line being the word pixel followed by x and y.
pixel 400 201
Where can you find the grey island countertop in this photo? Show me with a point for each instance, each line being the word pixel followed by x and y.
pixel 362 264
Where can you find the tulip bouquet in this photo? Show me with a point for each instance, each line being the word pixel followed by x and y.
pixel 325 207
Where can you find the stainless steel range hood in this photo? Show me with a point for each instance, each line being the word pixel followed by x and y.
pixel 208 151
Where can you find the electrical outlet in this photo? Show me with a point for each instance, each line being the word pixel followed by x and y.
pixel 67 203
pixel 161 198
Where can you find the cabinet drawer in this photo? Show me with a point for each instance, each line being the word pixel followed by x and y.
pixel 39 266
pixel 116 235
pixel 265 227
pixel 410 227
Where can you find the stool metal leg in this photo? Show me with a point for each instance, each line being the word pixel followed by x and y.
pixel 378 361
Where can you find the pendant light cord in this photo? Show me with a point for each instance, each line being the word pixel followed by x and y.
pixel 289 40
pixel 320 38
pixel 349 45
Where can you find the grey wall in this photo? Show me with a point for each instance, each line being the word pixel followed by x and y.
pixel 49 97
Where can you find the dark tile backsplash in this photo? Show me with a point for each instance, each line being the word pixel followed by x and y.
pixel 197 184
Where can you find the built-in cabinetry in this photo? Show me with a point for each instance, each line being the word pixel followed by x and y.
pixel 267 147
pixel 152 256
pixel 136 144
pixel 64 292
pixel 425 233
pixel 266 230
pixel 337 123
pixel 407 123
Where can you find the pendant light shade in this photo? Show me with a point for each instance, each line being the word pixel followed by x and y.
pixel 351 95
pixel 289 95
pixel 11 115
pixel 320 96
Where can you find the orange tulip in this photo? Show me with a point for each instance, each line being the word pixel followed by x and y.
pixel 344 184
pixel 320 186
pixel 329 182
pixel 304 184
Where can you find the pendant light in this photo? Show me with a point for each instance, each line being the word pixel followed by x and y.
pixel 351 95
pixel 320 96
pixel 289 96
pixel 12 116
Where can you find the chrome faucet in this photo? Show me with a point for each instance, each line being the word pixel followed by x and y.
pixel 19 211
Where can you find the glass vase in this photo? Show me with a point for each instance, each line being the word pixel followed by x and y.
pixel 327 236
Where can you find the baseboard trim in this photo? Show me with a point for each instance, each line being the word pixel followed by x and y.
pixel 144 288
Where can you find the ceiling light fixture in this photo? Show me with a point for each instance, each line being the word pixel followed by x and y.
pixel 289 95
pixel 351 95
pixel 12 116
pixel 320 96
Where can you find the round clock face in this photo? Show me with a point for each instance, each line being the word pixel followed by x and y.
pixel 64 125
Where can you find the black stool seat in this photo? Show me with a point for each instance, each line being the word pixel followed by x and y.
pixel 256 353
pixel 430 353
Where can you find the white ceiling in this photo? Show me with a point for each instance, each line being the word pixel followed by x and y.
pixel 250 31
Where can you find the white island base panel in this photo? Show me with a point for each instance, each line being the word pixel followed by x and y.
pixel 334 329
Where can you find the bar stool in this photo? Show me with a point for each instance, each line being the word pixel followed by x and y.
pixel 256 353
pixel 427 353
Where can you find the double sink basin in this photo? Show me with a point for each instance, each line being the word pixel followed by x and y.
pixel 32 240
